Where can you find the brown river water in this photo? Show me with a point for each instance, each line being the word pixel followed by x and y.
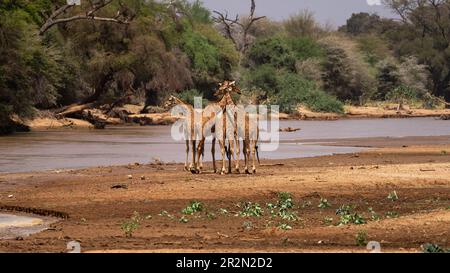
pixel 50 150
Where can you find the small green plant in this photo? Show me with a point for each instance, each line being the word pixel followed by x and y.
pixel 348 217
pixel 223 211
pixel 284 226
pixel 184 220
pixel 323 204
pixel 211 216
pixel 306 204
pixel 287 215
pixel 164 213
pixel 272 209
pixel 373 215
pixel 432 248
pixel 285 200
pixel 361 238
pixel 130 226
pixel 250 209
pixel 193 207
pixel 392 214
pixel 393 196
pixel 248 225
pixel 328 220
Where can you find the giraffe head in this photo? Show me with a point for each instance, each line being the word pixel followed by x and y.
pixel 171 102
pixel 227 87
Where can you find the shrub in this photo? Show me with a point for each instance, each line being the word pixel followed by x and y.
pixel 305 48
pixel 302 24
pixel 361 238
pixel 192 208
pixel 346 75
pixel 272 51
pixel 295 90
pixel 189 95
pixel 130 226
pixel 250 209
pixel 310 69
pixel 388 79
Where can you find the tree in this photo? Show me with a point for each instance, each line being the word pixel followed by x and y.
pixel 273 51
pixel 361 23
pixel 303 24
pixel 238 30
pixel 425 33
pixel 388 80
pixel 89 12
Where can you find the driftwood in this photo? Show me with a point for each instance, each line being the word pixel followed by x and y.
pixel 289 130
pixel 74 109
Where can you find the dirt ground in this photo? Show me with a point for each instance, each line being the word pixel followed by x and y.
pixel 419 175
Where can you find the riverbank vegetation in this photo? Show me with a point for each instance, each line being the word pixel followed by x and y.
pixel 139 52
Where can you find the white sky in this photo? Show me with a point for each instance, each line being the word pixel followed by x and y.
pixel 335 12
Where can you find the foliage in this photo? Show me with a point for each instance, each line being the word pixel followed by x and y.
pixel 347 216
pixel 361 238
pixel 249 209
pixel 130 226
pixel 388 79
pixel 374 48
pixel 302 24
pixel 305 48
pixel 323 204
pixel 432 248
pixel 192 208
pixel 188 96
pixel 361 23
pixel 295 90
pixel 273 51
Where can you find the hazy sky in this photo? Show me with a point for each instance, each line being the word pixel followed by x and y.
pixel 335 12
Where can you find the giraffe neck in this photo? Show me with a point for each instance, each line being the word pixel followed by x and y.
pixel 226 100
pixel 182 103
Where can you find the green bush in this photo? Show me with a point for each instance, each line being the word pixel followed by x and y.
pixel 203 55
pixel 294 90
pixel 274 51
pixel 305 48
pixel 263 77
pixel 189 95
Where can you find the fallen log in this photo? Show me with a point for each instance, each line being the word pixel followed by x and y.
pixel 74 109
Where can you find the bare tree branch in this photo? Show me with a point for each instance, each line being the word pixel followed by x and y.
pixel 237 30
pixel 123 16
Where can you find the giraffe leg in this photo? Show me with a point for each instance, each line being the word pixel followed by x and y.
pixel 222 151
pixel 213 153
pixel 230 154
pixel 194 150
pixel 253 156
pixel 186 163
pixel 200 151
pixel 238 153
pixel 247 156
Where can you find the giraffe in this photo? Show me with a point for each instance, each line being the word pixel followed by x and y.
pixel 250 132
pixel 246 128
pixel 189 129
pixel 210 116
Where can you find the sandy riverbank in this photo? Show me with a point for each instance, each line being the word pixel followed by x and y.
pixel 420 175
pixel 48 122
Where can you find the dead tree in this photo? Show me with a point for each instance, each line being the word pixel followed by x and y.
pixel 238 30
pixel 123 16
